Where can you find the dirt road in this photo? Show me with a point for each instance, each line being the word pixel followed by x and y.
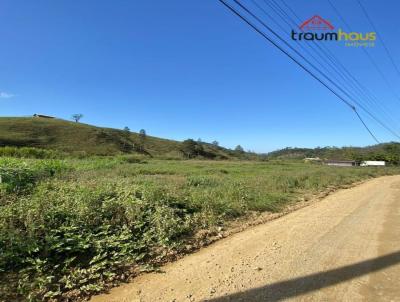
pixel 343 248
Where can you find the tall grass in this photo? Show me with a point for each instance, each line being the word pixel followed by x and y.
pixel 69 228
pixel 29 152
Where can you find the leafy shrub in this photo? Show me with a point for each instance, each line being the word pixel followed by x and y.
pixel 82 237
pixel 29 152
pixel 17 175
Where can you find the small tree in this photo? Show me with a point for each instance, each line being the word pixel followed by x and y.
pixel 77 117
pixel 127 132
pixel 189 148
pixel 215 143
pixel 142 139
pixel 127 144
pixel 142 133
pixel 239 149
pixel 199 148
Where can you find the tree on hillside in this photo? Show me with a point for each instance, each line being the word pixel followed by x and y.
pixel 199 148
pixel 191 149
pixel 142 133
pixel 142 140
pixel 127 144
pixel 127 132
pixel 392 151
pixel 77 117
pixel 215 143
pixel 239 149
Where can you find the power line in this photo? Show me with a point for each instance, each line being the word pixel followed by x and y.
pixel 321 53
pixel 381 39
pixel 343 72
pixel 297 42
pixel 366 127
pixel 367 54
pixel 323 74
pixel 298 63
pixel 297 52
pixel 293 49
pixel 339 67
pixel 283 15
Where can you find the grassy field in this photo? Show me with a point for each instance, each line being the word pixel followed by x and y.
pixel 71 227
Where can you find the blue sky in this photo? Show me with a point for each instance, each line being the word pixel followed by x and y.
pixel 186 69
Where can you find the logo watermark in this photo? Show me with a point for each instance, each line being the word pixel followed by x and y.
pixel 319 29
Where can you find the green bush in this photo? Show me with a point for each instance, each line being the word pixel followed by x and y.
pixel 29 152
pixel 82 237
pixel 17 175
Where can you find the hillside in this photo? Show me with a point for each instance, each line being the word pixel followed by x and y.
pixel 387 151
pixel 82 139
pixel 79 138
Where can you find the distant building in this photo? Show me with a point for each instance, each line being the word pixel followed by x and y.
pixel 312 159
pixel 341 163
pixel 373 163
pixel 43 116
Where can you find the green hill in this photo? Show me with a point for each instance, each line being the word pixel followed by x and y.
pixel 388 151
pixel 83 139
pixel 79 138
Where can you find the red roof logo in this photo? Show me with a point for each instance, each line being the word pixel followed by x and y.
pixel 316 23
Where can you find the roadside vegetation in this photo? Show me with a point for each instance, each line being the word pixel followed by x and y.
pixel 70 227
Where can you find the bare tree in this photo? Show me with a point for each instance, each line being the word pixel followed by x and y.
pixel 77 117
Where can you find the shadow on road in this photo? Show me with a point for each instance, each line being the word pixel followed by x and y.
pixel 298 286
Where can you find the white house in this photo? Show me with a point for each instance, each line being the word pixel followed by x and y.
pixel 341 163
pixel 372 163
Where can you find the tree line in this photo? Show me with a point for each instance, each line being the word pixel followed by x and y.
pixel 191 149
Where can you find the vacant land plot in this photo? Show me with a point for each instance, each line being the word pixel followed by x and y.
pixel 69 228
